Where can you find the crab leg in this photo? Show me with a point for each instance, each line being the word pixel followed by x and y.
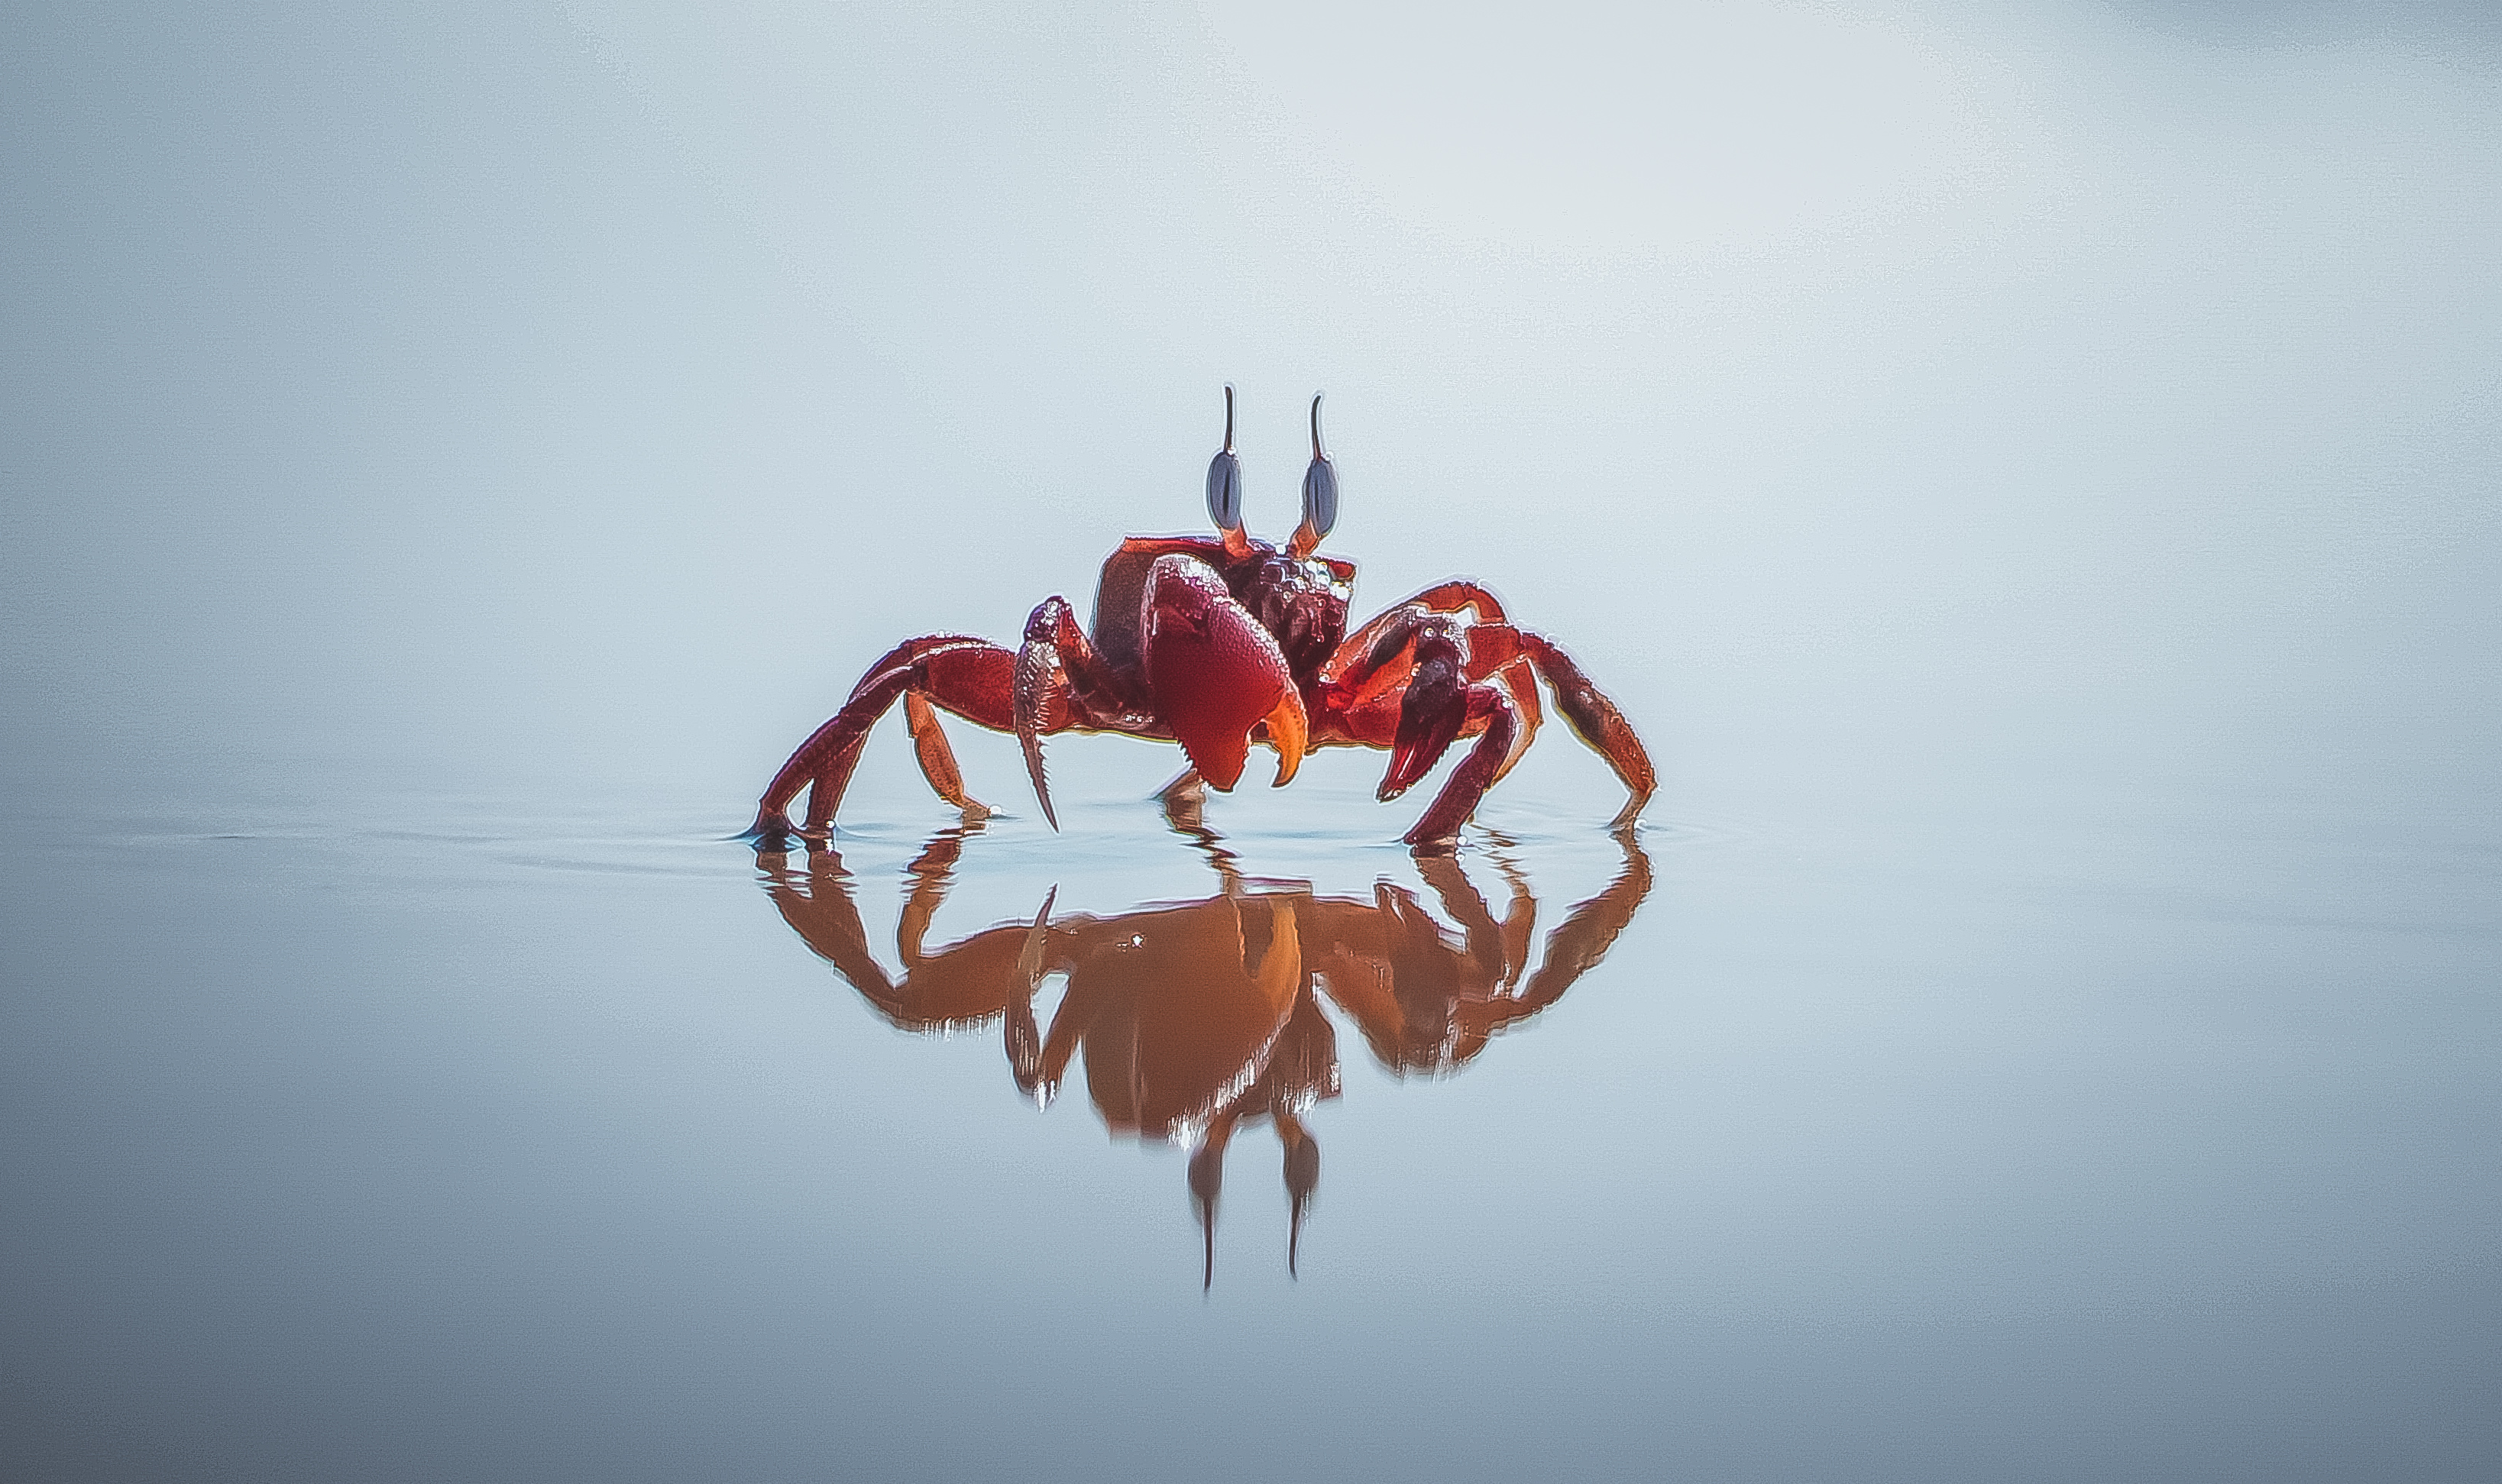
pixel 1596 721
pixel 937 759
pixel 1442 598
pixel 970 677
pixel 1447 679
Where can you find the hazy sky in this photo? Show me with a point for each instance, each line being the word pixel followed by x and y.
pixel 494 385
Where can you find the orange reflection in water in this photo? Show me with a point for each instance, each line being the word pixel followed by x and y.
pixel 1193 1019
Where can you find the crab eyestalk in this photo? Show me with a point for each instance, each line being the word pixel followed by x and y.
pixel 1320 495
pixel 1225 487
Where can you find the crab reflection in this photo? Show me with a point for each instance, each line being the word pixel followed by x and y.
pixel 1194 1019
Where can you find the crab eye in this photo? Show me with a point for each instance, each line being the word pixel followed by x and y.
pixel 1320 483
pixel 1225 477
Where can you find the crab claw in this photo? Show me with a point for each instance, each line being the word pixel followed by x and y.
pixel 1216 673
pixel 1429 714
pixel 1038 669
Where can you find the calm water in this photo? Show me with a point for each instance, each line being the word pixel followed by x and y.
pixel 2115 1136
pixel 2031 476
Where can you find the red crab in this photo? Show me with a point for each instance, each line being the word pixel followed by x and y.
pixel 1218 644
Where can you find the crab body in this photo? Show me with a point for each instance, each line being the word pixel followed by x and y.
pixel 1223 643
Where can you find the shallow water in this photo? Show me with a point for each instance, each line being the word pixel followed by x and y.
pixel 2028 472
pixel 470 1139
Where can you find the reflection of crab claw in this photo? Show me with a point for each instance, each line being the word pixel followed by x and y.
pixel 1036 939
pixel 1024 1038
pixel 1217 673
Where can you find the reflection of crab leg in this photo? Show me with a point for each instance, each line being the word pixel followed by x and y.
pixel 828 922
pixel 1024 1040
pixel 968 981
pixel 970 677
pixel 1486 940
pixel 1084 998
pixel 1396 979
pixel 1584 938
pixel 1520 918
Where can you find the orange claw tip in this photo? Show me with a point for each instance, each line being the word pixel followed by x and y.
pixel 1290 734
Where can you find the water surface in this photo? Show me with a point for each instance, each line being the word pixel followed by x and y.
pixel 2028 473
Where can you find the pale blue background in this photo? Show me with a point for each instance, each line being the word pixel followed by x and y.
pixel 2031 471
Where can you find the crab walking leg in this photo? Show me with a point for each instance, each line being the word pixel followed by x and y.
pixel 1055 662
pixel 1497 652
pixel 1594 720
pixel 967 676
pixel 1371 648
pixel 827 790
pixel 1216 673
pixel 937 758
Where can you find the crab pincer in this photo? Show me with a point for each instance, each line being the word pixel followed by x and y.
pixel 1216 673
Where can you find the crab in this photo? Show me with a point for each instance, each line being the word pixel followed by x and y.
pixel 1218 644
